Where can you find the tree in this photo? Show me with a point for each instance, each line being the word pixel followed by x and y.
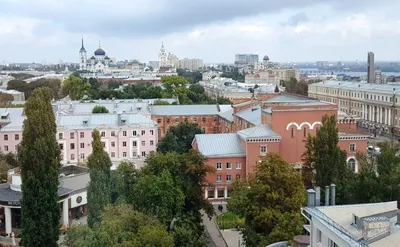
pixel 123 180
pixel 160 102
pixel 100 109
pixel 5 98
pixel 75 87
pixel 179 138
pixel 330 160
pixel 99 191
pixel 197 88
pixel 39 159
pixel 308 168
pixel 270 202
pixel 7 161
pixel 121 226
pixel 171 83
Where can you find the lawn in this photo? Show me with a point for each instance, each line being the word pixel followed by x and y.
pixel 229 220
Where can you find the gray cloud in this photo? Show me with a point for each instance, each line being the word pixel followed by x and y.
pixel 297 19
pixel 154 17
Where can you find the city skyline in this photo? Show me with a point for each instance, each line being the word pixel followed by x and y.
pixel 34 31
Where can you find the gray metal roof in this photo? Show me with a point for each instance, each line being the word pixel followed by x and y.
pixel 189 110
pixel 261 131
pixel 15 119
pixel 109 119
pixel 359 86
pixel 9 195
pixel 252 115
pixel 76 182
pixel 227 114
pixel 295 100
pixel 220 145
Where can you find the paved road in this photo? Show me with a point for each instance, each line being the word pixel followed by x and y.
pixel 215 238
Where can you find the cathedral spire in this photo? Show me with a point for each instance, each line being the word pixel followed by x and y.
pixel 82 47
pixel 99 44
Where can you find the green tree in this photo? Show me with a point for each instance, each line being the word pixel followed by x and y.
pixel 99 191
pixel 100 109
pixel 270 202
pixel 75 87
pixel 197 88
pixel 39 159
pixel 330 160
pixel 308 168
pixel 179 138
pixel 160 102
pixel 123 180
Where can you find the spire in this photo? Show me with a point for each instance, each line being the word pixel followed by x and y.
pixel 162 44
pixel 83 47
pixel 99 44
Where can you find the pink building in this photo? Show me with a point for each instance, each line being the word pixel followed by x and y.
pixel 125 136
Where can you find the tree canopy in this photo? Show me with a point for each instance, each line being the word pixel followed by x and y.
pixel 269 201
pixel 179 138
pixel 75 87
pixel 99 190
pixel 28 88
pixel 99 109
pixel 39 159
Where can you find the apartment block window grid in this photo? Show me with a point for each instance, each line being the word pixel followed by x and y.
pixel 238 165
pixel 228 165
pixel 219 166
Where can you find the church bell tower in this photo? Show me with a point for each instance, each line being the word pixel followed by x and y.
pixel 82 58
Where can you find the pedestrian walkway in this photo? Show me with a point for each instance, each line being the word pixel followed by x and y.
pixel 233 238
pixel 213 231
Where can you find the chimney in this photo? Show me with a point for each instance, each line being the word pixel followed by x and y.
pixel 218 108
pixel 119 118
pixel 311 198
pixel 326 195
pixel 317 196
pixel 333 191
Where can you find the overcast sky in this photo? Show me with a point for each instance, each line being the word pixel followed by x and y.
pixel 214 30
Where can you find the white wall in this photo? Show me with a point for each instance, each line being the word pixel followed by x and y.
pixel 74 203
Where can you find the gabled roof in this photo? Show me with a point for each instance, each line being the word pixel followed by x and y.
pixel 252 115
pixel 227 114
pixel 261 131
pixel 188 110
pixel 220 145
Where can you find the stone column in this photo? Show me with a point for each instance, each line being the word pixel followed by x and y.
pixel 65 215
pixel 215 193
pixel 390 117
pixel 206 193
pixel 7 212
pixel 226 192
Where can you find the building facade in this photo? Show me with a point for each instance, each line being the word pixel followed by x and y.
pixel 371 61
pixel 162 56
pixel 191 64
pixel 377 105
pixel 99 62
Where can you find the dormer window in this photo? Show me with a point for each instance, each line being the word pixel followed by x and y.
pixel 139 108
pixel 123 121
pixel 85 122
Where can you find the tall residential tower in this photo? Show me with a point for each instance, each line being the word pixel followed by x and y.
pixel 371 75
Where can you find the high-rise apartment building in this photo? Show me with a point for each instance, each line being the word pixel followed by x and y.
pixel 191 64
pixel 246 59
pixel 370 77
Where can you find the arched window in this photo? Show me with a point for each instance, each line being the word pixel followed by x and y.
pixel 352 164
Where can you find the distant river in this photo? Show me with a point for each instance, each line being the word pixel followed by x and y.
pixel 315 71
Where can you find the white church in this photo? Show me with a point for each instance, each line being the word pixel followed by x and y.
pixel 97 63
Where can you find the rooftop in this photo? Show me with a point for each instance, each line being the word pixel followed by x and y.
pixel 359 86
pixel 227 114
pixel 220 145
pixel 252 115
pixel 287 99
pixel 188 110
pixel 13 116
pixel 261 131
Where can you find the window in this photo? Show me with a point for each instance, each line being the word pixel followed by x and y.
pixel 124 133
pixel 219 166
pixel 82 145
pixel 238 165
pixel 113 144
pixel 305 132
pixel 72 135
pixel 104 144
pixel 352 147
pixel 152 132
pixel 16 137
pixel 112 154
pixel 159 120
pixel 219 178
pixel 5 137
pixel 60 136
pixel 214 130
pixel 124 144
pixel 124 154
pixel 72 156
pixel 61 146
pixel 203 130
pixel 228 178
pixel 103 134
pixel 134 133
pixel 6 148
pixel 143 143
pixel 177 120
pixel 82 134
pixel 203 119
pixel 134 143
pixel 143 153
pixel 151 143
pixel 263 150
pixel 168 120
pixel 194 120
pixel 319 236
pixel 237 176
pixel 72 146
pixel 134 154
pixel 292 132
pixel 228 165
pixel 112 133
pixel 352 164
pixel 215 118
pixel 82 156
pixel 143 132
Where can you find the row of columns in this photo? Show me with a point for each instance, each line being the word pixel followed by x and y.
pixel 382 115
pixel 216 193
pixel 8 218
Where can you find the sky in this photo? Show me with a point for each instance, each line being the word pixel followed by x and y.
pixel 213 30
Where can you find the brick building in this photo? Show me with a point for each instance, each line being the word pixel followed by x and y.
pixel 281 125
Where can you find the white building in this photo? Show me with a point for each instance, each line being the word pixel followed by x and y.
pixel 191 64
pixel 211 75
pixel 359 225
pixel 162 57
pixel 97 63
pixel 173 60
